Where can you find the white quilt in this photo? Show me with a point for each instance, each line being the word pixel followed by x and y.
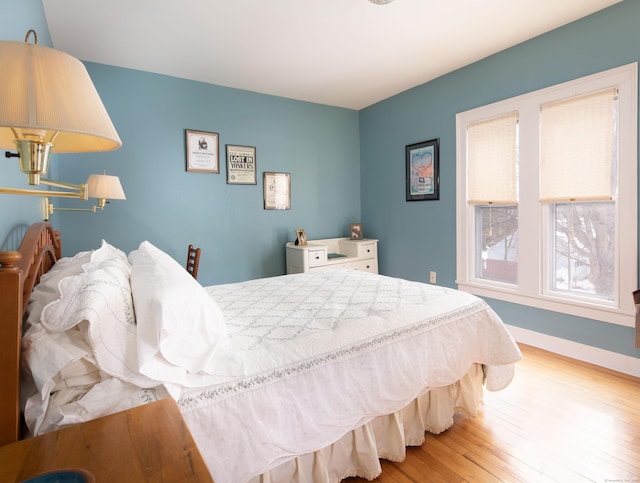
pixel 321 354
pixel 327 352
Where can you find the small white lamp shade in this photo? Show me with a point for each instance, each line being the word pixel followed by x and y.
pixel 106 187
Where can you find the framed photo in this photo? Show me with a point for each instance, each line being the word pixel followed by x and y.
pixel 277 191
pixel 301 237
pixel 423 170
pixel 355 231
pixel 202 151
pixel 241 164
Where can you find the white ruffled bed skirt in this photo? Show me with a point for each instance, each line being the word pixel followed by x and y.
pixel 358 452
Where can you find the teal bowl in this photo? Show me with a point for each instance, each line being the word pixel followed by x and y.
pixel 71 475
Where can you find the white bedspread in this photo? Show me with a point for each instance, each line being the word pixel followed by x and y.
pixel 321 353
pixel 329 351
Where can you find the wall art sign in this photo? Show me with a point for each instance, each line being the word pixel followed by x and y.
pixel 277 191
pixel 241 164
pixel 423 170
pixel 202 151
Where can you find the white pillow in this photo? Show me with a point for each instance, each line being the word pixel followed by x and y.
pixel 105 253
pixel 87 329
pixel 47 289
pixel 98 302
pixel 181 330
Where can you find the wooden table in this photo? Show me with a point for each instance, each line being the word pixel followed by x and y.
pixel 146 443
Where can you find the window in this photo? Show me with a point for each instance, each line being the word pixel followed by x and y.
pixel 547 198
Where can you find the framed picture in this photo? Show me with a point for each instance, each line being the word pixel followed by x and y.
pixel 202 151
pixel 241 164
pixel 301 237
pixel 423 170
pixel 277 191
pixel 355 231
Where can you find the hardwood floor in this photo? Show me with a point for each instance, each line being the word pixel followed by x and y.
pixel 560 420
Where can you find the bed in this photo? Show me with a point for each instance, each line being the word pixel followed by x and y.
pixel 307 377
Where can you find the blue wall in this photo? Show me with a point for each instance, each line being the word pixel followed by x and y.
pixel 346 166
pixel 318 145
pixel 416 237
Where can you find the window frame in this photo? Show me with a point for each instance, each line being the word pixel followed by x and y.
pixel 532 288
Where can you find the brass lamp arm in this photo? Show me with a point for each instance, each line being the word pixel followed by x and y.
pixel 58 194
pixel 49 208
pixel 82 189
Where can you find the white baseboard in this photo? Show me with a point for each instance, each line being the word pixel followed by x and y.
pixel 593 355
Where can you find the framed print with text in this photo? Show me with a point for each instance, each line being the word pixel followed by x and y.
pixel 277 191
pixel 241 164
pixel 423 170
pixel 202 151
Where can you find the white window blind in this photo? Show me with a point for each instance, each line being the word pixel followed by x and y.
pixel 491 161
pixel 576 148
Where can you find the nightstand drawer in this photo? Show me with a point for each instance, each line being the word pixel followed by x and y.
pixel 317 257
pixel 359 248
pixel 366 250
pixel 369 265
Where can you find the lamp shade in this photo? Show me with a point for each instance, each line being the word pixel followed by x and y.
pixel 47 95
pixel 105 186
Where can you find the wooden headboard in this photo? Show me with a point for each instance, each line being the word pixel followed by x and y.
pixel 20 271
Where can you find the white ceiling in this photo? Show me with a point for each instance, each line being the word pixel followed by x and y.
pixel 347 53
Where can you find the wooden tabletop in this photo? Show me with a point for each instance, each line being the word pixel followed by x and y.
pixel 146 443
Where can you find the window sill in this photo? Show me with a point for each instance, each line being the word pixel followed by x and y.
pixel 578 308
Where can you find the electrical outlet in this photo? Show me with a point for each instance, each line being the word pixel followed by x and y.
pixel 432 277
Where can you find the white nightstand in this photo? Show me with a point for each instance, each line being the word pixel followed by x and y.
pixel 333 254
